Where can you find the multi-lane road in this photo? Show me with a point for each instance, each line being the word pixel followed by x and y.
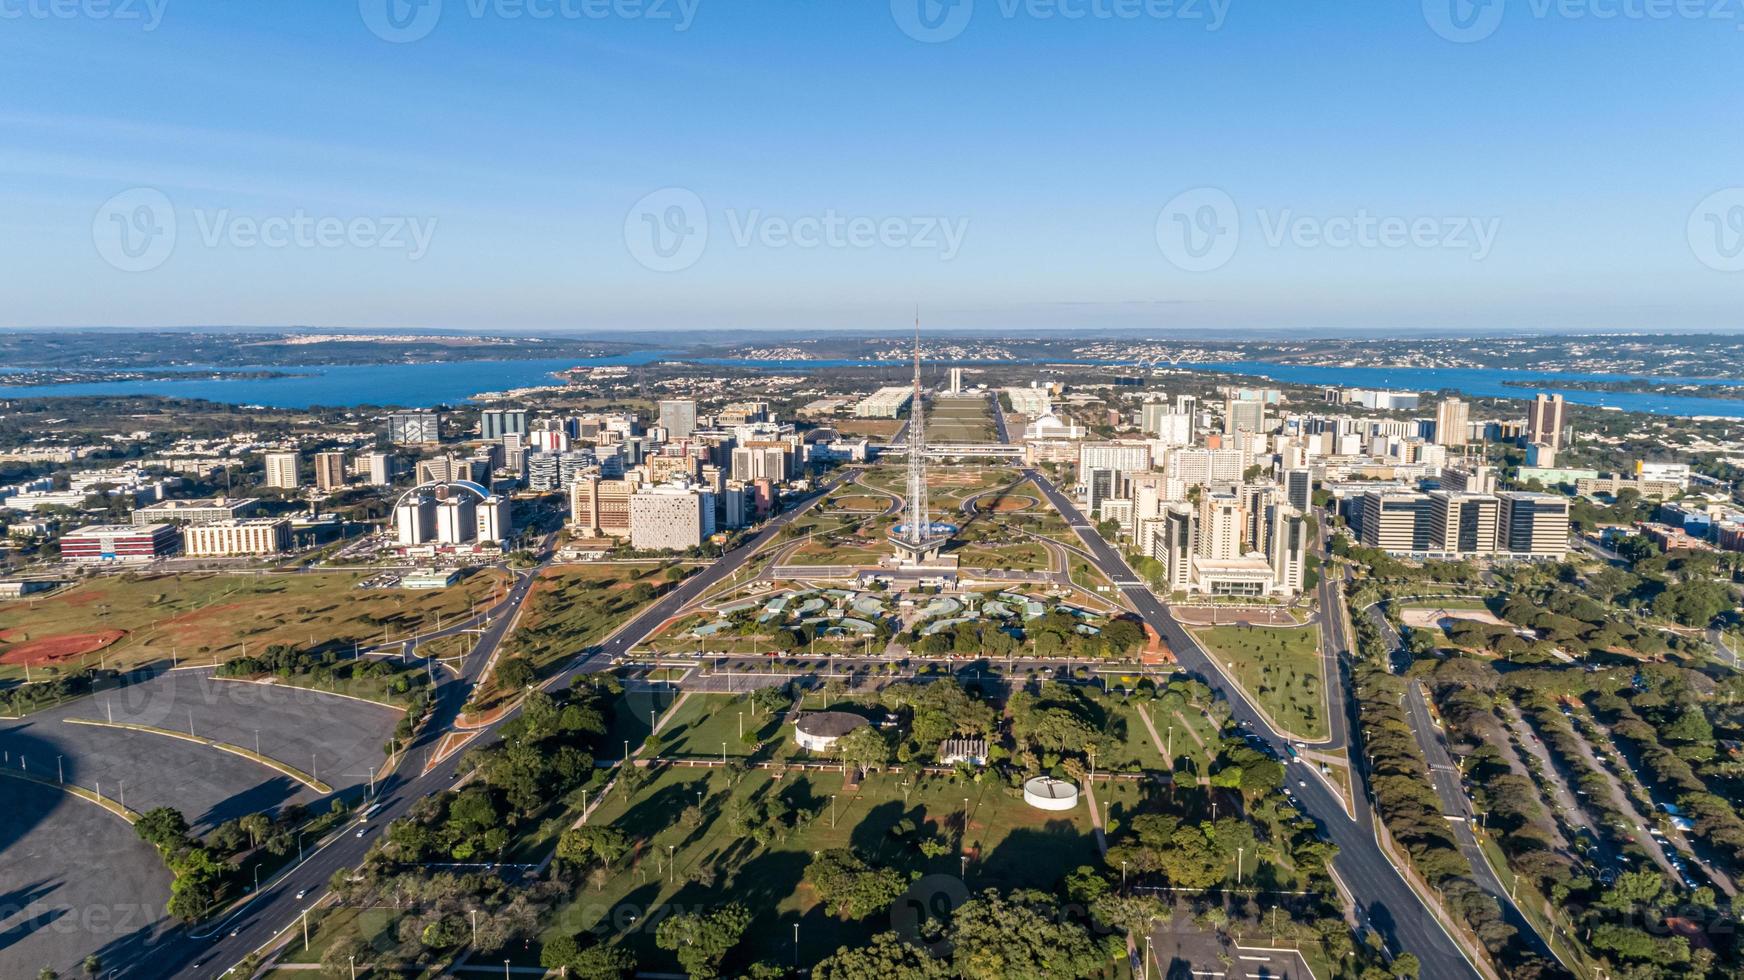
pixel 213 949
pixel 1385 901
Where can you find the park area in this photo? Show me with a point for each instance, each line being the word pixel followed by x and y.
pixel 131 620
pixel 704 837
pixel 1279 669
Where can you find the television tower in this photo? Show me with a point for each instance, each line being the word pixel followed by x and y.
pixel 919 521
pixel 916 544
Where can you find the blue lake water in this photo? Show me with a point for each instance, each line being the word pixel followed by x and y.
pixel 425 385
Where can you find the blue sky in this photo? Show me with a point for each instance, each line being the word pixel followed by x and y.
pixel 1566 170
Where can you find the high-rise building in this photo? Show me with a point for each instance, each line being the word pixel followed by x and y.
pixel 678 418
pixel 1451 417
pixel 1532 524
pixel 1221 522
pixel 600 507
pixel 495 519
pixel 282 470
pixel 1299 489
pixel 1287 547
pixel 414 428
pixel 1544 421
pixel 1198 467
pixel 956 381
pixel 329 471
pixel 382 468
pixel 1396 522
pixel 415 520
pixel 1100 486
pixel 1462 523
pixel 457 519
pixel 760 463
pixel 671 518
pixel 495 423
pixel 1244 415
pixel 1469 476
pixel 1127 457
pixel 1178 546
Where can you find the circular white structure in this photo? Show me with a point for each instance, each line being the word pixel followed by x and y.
pixel 818 731
pixel 1048 793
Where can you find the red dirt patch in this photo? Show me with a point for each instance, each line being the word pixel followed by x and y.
pixel 66 646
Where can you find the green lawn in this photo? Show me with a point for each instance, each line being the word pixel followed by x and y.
pixel 1022 556
pixel 1008 843
pixel 1279 667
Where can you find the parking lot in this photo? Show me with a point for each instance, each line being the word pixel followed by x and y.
pixel 74 878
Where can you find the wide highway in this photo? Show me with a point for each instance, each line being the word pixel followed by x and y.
pixel 212 949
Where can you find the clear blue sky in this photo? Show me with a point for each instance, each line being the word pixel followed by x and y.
pixel 1052 144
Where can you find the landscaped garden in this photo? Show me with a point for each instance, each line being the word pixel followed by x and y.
pixel 1279 667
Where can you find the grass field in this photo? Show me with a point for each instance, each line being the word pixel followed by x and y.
pixel 205 615
pixel 1279 668
pixel 959 418
pixel 574 607
pixel 1020 556
pixel 1008 845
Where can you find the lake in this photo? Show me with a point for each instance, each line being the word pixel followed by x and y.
pixel 452 382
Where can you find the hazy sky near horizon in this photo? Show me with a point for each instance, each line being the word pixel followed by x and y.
pixel 696 164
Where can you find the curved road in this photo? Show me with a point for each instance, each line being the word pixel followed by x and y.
pixel 276 907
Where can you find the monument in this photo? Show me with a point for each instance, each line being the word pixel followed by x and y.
pixel 918 541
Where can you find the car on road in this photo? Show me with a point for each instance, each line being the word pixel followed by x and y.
pixel 301 892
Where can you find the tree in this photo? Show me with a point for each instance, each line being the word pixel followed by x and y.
pixel 516 672
pixel 93 965
pixel 1406 966
pixel 863 747
pixel 164 828
pixel 852 888
pixel 601 962
pixel 584 844
pixel 886 957
pixel 701 941
pixel 1019 937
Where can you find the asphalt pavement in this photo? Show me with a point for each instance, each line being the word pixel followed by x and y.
pixel 1385 902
